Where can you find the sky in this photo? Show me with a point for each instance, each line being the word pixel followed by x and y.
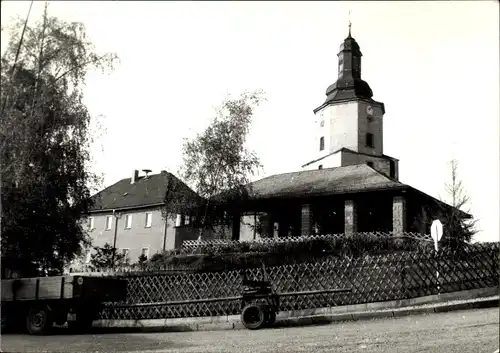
pixel 435 66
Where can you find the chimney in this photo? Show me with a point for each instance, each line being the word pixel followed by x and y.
pixel 147 171
pixel 135 176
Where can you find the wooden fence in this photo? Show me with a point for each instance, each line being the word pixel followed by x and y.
pixel 373 278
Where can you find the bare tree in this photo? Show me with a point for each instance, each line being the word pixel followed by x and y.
pixel 458 226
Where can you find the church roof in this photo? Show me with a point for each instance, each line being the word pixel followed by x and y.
pixel 330 181
pixel 322 182
pixel 348 86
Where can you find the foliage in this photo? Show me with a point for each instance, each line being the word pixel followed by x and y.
pixel 216 163
pixel 247 258
pixel 107 257
pixel 142 261
pixel 250 254
pixel 45 135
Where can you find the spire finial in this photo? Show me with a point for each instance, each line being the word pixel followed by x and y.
pixel 350 24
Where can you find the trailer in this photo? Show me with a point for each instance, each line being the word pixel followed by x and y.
pixel 260 303
pixel 39 302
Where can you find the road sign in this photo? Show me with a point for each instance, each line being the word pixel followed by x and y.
pixel 436 234
pixel 436 230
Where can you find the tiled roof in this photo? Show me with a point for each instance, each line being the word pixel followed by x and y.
pixel 329 181
pixel 144 192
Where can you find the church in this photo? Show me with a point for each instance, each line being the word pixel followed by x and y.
pixel 352 186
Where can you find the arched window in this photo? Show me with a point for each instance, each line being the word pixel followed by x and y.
pixel 320 166
pixel 369 140
pixel 322 143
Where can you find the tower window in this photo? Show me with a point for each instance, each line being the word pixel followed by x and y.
pixel 370 164
pixel 369 140
pixel 322 143
pixel 392 169
pixel 320 166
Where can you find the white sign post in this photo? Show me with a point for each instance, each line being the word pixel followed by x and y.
pixel 436 234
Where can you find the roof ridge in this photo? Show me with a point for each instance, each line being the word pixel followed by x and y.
pixel 302 171
pixel 384 175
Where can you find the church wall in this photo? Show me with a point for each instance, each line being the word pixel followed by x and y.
pixel 380 164
pixel 341 126
pixel 374 126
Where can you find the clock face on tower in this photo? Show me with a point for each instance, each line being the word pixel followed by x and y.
pixel 369 110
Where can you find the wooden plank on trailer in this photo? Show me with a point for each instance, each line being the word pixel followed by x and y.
pixel 22 288
pixel 68 287
pixel 50 287
pixel 7 294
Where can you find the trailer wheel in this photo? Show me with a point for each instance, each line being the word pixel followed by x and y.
pixel 253 317
pixel 39 320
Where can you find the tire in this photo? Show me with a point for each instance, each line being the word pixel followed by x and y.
pixel 253 317
pixel 39 320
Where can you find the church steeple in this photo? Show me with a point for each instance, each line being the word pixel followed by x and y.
pixel 349 85
pixel 349 126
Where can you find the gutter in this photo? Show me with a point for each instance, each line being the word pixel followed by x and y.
pixel 105 210
pixel 332 193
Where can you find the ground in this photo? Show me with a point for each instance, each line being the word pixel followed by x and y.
pixel 474 331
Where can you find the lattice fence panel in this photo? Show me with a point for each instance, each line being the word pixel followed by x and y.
pixel 371 278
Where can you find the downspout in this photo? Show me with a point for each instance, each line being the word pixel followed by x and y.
pixel 165 234
pixel 114 237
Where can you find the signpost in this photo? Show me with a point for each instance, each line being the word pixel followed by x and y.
pixel 436 234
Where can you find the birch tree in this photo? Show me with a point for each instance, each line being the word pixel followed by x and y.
pixel 217 163
pixel 45 137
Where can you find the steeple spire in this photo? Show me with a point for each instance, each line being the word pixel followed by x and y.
pixel 350 24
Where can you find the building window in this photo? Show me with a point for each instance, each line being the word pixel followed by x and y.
pixel 369 140
pixel 392 169
pixel 124 252
pixel 145 252
pixel 321 143
pixel 149 220
pixel 370 164
pixel 109 222
pixel 128 221
pixel 91 223
pixel 177 220
pixel 320 166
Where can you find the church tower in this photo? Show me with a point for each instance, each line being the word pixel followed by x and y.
pixel 349 127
